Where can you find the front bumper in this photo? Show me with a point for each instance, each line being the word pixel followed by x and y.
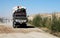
pixel 20 21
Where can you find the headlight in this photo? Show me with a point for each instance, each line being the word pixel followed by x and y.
pixel 17 20
pixel 20 20
pixel 24 20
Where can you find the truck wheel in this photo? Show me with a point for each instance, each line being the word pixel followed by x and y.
pixel 14 26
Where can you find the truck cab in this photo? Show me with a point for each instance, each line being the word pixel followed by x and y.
pixel 19 17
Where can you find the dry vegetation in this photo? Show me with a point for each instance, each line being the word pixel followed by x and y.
pixel 5 29
pixel 51 25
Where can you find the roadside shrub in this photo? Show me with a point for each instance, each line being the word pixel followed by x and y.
pixel 49 23
pixel 53 23
pixel 55 27
pixel 44 22
pixel 58 25
pixel 37 21
pixel 29 21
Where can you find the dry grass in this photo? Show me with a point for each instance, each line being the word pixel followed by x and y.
pixel 49 31
pixel 5 29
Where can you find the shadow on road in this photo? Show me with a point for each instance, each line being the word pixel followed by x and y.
pixel 25 26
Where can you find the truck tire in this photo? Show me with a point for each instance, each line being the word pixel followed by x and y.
pixel 14 26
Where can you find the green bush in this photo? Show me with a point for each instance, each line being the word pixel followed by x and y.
pixel 44 22
pixel 52 23
pixel 29 21
pixel 37 21
pixel 49 23
pixel 58 25
pixel 55 27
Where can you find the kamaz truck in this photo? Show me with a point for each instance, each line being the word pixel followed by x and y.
pixel 19 17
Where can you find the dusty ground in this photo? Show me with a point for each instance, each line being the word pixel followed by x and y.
pixel 9 32
pixel 6 29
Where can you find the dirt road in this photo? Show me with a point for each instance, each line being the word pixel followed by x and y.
pixel 9 32
pixel 27 35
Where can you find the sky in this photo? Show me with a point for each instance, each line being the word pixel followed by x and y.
pixel 33 6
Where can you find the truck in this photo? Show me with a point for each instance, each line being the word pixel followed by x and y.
pixel 19 17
